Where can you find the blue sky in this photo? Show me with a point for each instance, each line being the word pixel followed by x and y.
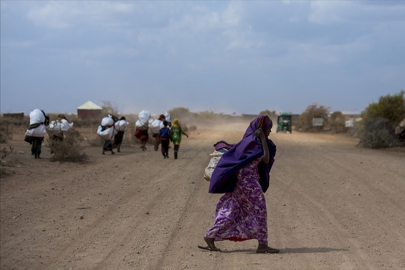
pixel 225 56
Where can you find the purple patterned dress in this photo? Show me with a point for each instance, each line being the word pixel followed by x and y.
pixel 241 215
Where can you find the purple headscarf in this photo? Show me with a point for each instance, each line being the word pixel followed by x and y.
pixel 224 177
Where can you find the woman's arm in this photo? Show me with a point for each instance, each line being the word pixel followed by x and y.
pixel 266 155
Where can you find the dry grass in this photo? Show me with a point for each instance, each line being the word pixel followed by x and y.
pixel 377 133
pixel 8 159
pixel 69 149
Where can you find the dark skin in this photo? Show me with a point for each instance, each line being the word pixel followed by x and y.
pixel 265 159
pixel 264 137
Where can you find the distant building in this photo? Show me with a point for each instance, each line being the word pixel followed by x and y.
pixel 15 116
pixel 89 110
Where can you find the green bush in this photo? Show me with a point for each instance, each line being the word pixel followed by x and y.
pixel 380 120
pixel 388 107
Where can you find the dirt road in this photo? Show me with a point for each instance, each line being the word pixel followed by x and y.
pixel 330 204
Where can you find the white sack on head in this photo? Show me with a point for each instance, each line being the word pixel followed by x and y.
pixel 156 126
pixel 107 121
pixel 167 116
pixel 121 125
pixel 106 134
pixel 36 117
pixel 144 117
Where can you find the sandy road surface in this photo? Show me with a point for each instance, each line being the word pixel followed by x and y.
pixel 330 206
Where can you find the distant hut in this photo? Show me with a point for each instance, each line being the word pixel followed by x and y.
pixel 89 110
pixel 14 116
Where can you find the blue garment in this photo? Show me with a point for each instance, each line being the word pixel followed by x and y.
pixel 164 133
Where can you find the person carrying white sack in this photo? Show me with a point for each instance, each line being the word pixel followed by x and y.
pixel 168 119
pixel 36 131
pixel 107 131
pixel 155 127
pixel 56 129
pixel 141 128
pixel 121 126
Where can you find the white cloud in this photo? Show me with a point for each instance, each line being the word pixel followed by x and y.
pixel 59 15
pixel 329 11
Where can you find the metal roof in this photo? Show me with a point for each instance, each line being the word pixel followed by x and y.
pixel 89 106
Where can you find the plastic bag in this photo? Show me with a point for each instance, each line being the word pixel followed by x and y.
pixel 121 125
pixel 39 131
pixel 167 116
pixel 106 134
pixel 36 117
pixel 107 121
pixel 144 117
pixel 57 127
pixel 156 126
pixel 216 156
pixel 141 126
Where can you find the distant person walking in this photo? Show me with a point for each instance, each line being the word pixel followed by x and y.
pixel 141 128
pixel 56 130
pixel 143 136
pixel 154 129
pixel 107 131
pixel 164 135
pixel 36 131
pixel 121 127
pixel 242 174
pixel 175 136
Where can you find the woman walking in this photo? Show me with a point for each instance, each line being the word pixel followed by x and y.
pixel 121 127
pixel 243 175
pixel 36 131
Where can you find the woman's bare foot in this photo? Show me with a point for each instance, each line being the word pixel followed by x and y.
pixel 266 249
pixel 211 245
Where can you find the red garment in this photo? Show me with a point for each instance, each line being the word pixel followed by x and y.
pixel 138 133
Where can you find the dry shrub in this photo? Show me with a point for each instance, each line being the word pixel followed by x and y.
pixel 4 136
pixel 68 149
pixel 338 122
pixel 6 130
pixel 355 130
pixel 109 107
pixel 377 133
pixel 7 160
pixel 271 114
pixel 313 111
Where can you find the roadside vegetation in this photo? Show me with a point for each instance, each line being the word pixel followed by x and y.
pixel 381 122
pixel 68 149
